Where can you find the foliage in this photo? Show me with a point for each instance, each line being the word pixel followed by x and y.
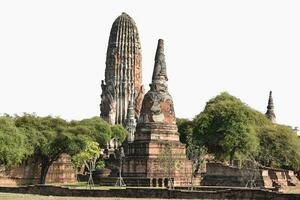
pixel 185 129
pixel 279 147
pixel 196 154
pixel 90 153
pixel 100 165
pixel 47 138
pixel 98 129
pixel 224 127
pixel 119 133
pixel 168 161
pixel 50 138
pixel 12 143
pixel 89 157
pixel 230 129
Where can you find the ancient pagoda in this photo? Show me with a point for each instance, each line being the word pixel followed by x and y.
pixel 123 72
pixel 156 128
pixel 270 109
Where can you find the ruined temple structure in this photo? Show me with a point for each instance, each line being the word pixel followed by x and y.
pixel 270 109
pixel 61 171
pixel 156 128
pixel 123 72
pixel 219 174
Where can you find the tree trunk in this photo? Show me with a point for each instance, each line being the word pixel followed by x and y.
pixel 193 173
pixel 231 156
pixel 44 170
pixel 192 182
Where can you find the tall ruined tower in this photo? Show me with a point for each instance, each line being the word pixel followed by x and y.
pixel 123 72
pixel 270 109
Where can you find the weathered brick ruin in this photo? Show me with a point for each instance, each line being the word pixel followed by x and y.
pixel 61 171
pixel 218 174
pixel 151 123
pixel 123 72
pixel 156 128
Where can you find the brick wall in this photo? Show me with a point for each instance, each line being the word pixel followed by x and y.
pixel 218 174
pixel 61 171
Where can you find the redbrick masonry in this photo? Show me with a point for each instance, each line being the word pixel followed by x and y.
pixel 61 171
pixel 156 128
pixel 123 72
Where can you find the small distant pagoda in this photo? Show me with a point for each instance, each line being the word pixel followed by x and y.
pixel 156 127
pixel 270 109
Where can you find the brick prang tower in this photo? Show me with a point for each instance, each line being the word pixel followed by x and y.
pixel 123 72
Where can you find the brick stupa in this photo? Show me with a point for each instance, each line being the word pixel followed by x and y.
pixel 156 128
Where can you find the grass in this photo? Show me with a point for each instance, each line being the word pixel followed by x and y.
pixel 10 196
pixel 83 185
pixel 294 190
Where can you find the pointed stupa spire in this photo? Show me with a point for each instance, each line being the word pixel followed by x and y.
pixel 270 102
pixel 159 77
pixel 125 14
pixel 160 71
pixel 270 109
pixel 157 106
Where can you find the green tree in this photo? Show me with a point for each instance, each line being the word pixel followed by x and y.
pixel 49 138
pixel 279 147
pixel 98 129
pixel 185 129
pixel 12 143
pixel 225 128
pixel 229 129
pixel 89 157
pixel 168 161
pixel 196 154
pixel 119 133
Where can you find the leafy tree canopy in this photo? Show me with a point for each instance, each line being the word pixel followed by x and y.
pixel 89 157
pixel 12 143
pixel 225 127
pixel 185 129
pixel 231 129
pixel 47 138
pixel 98 129
pixel 119 133
pixel 279 147
pixel 89 154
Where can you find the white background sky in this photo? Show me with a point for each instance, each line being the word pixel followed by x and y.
pixel 52 53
